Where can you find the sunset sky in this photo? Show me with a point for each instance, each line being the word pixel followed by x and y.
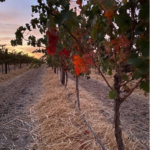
pixel 15 13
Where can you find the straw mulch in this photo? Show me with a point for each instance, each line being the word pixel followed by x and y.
pixel 60 126
pixel 13 73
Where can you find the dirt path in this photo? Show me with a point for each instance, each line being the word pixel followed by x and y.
pixel 16 98
pixel 134 112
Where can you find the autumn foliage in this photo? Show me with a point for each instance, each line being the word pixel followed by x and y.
pixel 79 2
pixel 82 64
pixel 65 53
pixel 52 41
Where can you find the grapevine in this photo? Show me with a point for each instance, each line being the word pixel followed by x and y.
pixel 111 36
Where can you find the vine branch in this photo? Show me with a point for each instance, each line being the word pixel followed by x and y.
pixel 103 76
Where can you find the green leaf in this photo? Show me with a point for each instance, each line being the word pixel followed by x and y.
pixel 137 74
pixel 64 3
pixel 34 22
pixel 51 22
pixel 125 77
pixel 89 14
pixel 112 94
pixel 95 9
pixel 72 22
pixel 72 71
pixel 28 26
pixel 135 61
pixel 94 33
pixel 108 4
pixel 51 1
pixel 64 15
pixel 140 29
pixel 144 12
pixel 110 72
pixel 58 19
pixel 144 67
pixel 59 46
pixel 145 86
pixel 123 21
pixel 144 46
pixel 41 30
pixel 43 19
pixel 86 37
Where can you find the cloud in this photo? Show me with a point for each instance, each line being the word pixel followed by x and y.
pixel 25 50
pixel 15 13
pixel 7 30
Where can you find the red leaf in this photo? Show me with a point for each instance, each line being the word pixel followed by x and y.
pixel 88 58
pixel 52 41
pixel 82 64
pixel 120 41
pixel 79 2
pixel 64 52
pixel 120 45
pixel 109 7
pixel 109 14
pixel 76 32
pixel 51 50
pixel 87 132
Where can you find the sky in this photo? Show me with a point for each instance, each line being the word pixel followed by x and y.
pixel 13 14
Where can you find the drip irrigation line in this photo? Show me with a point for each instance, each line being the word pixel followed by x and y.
pixel 99 142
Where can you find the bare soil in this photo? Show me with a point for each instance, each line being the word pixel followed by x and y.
pixel 16 97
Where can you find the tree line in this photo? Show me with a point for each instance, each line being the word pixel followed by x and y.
pixel 14 58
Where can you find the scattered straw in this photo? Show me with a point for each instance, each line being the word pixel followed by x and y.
pixel 13 73
pixel 60 126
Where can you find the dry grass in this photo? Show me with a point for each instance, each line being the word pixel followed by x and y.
pixel 12 74
pixel 60 126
